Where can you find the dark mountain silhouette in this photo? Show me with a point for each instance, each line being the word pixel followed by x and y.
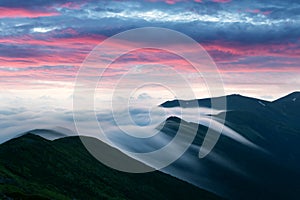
pixel 47 133
pixel 236 102
pixel 269 169
pixel 285 109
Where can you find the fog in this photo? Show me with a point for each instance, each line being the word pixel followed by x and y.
pixel 133 130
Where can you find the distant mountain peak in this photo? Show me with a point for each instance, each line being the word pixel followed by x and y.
pixel 50 134
pixel 174 119
pixel 30 135
pixel 239 95
pixel 232 100
pixel 290 97
pixel 26 139
pixel 296 92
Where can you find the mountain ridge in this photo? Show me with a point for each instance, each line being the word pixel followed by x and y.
pixel 243 166
pixel 175 102
pixel 34 167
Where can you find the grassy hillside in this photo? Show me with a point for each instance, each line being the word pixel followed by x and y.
pixel 32 167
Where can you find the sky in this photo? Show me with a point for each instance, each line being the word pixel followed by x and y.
pixel 255 44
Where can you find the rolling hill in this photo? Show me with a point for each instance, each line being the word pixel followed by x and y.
pixel 32 167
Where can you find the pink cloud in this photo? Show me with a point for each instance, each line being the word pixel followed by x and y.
pixel 52 51
pixel 72 52
pixel 71 5
pixel 71 42
pixel 221 1
pixel 171 2
pixel 241 50
pixel 21 12
pixel 257 11
pixel 254 67
pixel 228 54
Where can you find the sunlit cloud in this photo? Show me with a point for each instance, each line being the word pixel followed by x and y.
pixel 22 12
pixel 42 30
pixel 44 42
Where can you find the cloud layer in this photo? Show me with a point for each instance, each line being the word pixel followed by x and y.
pixel 48 40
